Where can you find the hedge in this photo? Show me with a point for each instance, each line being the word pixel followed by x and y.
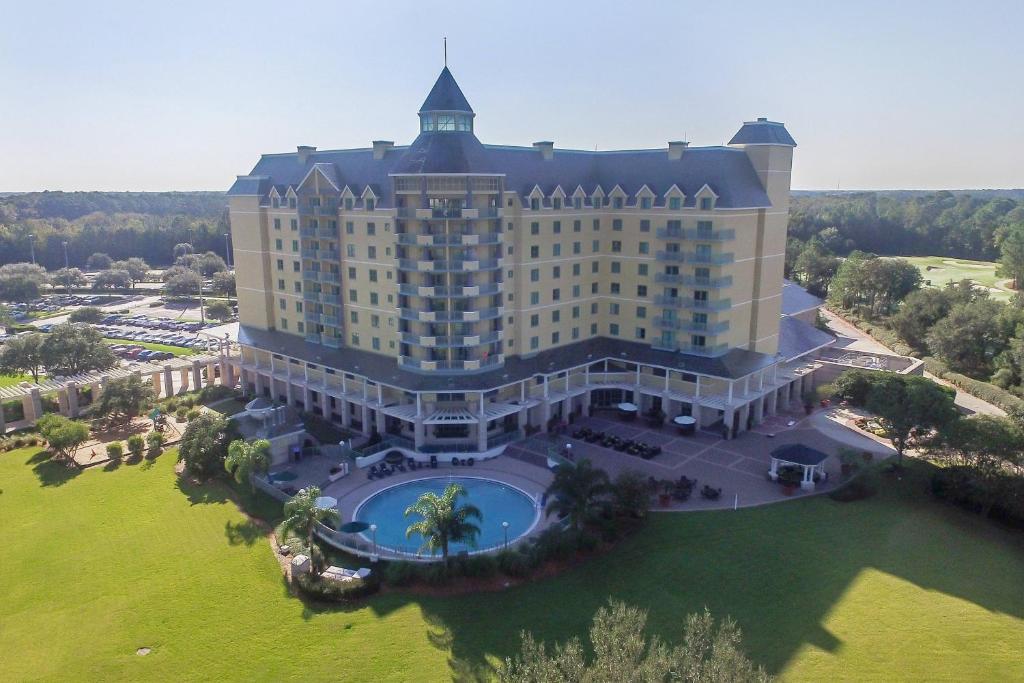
pixel 983 390
pixel 336 591
pixel 881 332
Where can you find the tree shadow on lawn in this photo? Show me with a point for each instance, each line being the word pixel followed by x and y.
pixel 777 570
pixel 247 532
pixel 51 472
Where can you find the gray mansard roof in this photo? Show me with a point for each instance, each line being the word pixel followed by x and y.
pixel 726 170
pixel 796 299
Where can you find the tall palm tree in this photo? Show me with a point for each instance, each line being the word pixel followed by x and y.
pixel 245 459
pixel 301 514
pixel 576 491
pixel 443 520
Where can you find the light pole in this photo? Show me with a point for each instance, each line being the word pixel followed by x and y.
pixel 373 531
pixel 227 248
pixel 32 247
pixel 504 525
pixel 65 243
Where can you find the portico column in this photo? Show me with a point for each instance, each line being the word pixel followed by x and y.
pixel 744 414
pixel 225 372
pixel 184 379
pixel 62 402
pixel 3 422
pixel 72 399
pixel 289 392
pixel 727 418
pixel 307 398
pixel 418 432
pixel 346 415
pixel 260 383
pixel 380 420
pixel 588 399
pixel 197 375
pixel 523 417
pixel 366 417
pixel 695 413
pixel 481 436
pixel 758 410
pixel 211 374
pixel 156 383
pixel 773 399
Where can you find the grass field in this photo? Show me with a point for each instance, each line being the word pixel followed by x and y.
pixel 11 380
pixel 101 563
pixel 940 270
pixel 176 350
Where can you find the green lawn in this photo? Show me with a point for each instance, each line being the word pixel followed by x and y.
pixel 176 350
pixel 102 563
pixel 11 380
pixel 940 270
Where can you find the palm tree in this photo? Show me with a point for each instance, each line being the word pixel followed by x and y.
pixel 301 514
pixel 444 520
pixel 576 490
pixel 245 459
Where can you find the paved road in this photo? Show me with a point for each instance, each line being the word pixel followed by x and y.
pixel 849 337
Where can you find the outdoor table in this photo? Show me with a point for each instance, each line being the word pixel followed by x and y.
pixel 628 411
pixel 686 424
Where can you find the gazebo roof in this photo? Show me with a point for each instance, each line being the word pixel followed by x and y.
pixel 798 454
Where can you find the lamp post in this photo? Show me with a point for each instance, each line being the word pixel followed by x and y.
pixel 373 531
pixel 504 526
pixel 227 248
pixel 32 247
pixel 65 244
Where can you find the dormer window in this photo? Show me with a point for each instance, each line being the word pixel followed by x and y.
pixel 291 203
pixel 534 204
pixel 577 202
pixel 348 203
pixel 370 204
pixel 675 203
pixel 617 202
pixel 275 202
pixel 556 203
pixel 706 203
pixel 645 202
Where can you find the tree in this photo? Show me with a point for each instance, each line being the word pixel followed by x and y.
pixel 443 520
pixel 224 283
pixel 204 445
pixel 246 459
pixel 969 337
pixel 815 267
pixel 631 495
pixel 63 435
pixel 136 268
pixel 302 514
pixel 174 271
pixel 988 446
pixel 22 354
pixel 69 278
pixel 219 310
pixel 184 284
pixel 622 652
pixel 71 349
pixel 908 403
pixel 181 249
pixel 123 399
pixel 86 314
pixel 1010 240
pixel 136 446
pixel 98 261
pixel 209 263
pixel 112 279
pixel 21 281
pixel 576 492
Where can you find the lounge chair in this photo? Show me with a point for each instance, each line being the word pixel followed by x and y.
pixel 470 461
pixel 433 461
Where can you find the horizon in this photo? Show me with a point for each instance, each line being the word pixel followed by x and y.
pixel 871 109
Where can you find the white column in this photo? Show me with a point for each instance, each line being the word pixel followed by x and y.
pixel 3 422
pixel 197 375
pixel 72 399
pixel 169 381
pixel 156 383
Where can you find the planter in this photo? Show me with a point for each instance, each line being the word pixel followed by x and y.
pixel 789 489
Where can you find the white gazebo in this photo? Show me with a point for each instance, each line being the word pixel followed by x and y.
pixel 797 455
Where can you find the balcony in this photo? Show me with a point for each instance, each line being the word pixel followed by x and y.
pixel 322 254
pixel 708 282
pixel 332 320
pixel 326 211
pixel 669 233
pixel 326 276
pixel 450 316
pixel 308 231
pixel 713 259
pixel 670 256
pixel 331 341
pixel 313 338
pixel 448 266
pixel 454 239
pixel 452 341
pixel 691 326
pixel 691 303
pixel 699 235
pixel 327 232
pixel 468 291
pixel 706 350
pixel 468 365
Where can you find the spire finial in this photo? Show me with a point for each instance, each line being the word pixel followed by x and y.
pixel 446 51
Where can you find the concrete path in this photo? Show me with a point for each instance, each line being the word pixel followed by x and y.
pixel 850 337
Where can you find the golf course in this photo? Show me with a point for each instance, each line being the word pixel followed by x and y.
pixel 939 270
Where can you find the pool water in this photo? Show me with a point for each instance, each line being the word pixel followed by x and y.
pixel 497 503
pixel 283 475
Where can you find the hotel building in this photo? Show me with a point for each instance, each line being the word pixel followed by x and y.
pixel 454 295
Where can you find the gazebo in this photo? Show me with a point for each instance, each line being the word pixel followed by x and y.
pixel 811 460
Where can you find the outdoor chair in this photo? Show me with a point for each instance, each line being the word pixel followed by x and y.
pixel 470 461
pixel 433 462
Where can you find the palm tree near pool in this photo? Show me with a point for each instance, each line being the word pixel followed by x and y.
pixel 245 459
pixel 301 515
pixel 443 520
pixel 576 492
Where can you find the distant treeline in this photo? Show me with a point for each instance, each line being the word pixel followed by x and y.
pixel 121 224
pixel 905 223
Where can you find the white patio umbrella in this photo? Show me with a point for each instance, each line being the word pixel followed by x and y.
pixel 326 502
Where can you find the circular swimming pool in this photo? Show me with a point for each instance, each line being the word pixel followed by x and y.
pixel 497 502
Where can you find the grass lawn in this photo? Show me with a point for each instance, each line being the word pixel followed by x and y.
pixel 11 380
pixel 104 562
pixel 943 270
pixel 176 350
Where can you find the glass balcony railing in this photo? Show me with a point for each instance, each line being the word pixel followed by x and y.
pixel 451 341
pixel 691 303
pixel 670 256
pixel 709 282
pixel 715 259
pixel 706 350
pixel 485 289
pixel 691 326
pixel 468 365
pixel 698 235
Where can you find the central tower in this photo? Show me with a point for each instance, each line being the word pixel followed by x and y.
pixel 449 245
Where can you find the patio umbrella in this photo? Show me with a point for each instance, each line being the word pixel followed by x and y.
pixel 353 527
pixel 326 502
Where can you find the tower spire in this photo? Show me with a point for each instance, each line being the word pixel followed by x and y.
pixel 446 51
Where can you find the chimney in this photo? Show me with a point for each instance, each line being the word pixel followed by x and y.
pixel 304 151
pixel 547 149
pixel 381 147
pixel 762 119
pixel 675 149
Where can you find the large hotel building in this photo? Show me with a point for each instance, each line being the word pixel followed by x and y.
pixel 454 295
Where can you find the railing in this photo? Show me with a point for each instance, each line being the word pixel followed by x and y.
pixel 485 289
pixel 331 320
pixel 670 256
pixel 707 350
pixel 329 254
pixel 328 211
pixel 709 282
pixel 327 232
pixel 313 338
pixel 452 341
pixel 690 303
pixel 713 259
pixel 466 365
pixel 723 235
pixel 308 232
pixel 669 233
pixel 327 276
pixel 332 342
pixel 503 438
pixel 441 266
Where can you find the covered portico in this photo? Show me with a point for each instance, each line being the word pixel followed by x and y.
pixel 811 461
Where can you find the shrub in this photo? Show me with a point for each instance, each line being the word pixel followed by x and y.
pixel 513 563
pixel 192 414
pixel 400 573
pixel 476 566
pixel 216 393
pixel 337 591
pixel 170 405
pixel 983 390
pixel 181 413
pixel 154 441
pixel 115 451
pixel 136 445
pixel 862 486
pixel 18 442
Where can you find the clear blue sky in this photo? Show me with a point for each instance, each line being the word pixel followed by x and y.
pixel 185 95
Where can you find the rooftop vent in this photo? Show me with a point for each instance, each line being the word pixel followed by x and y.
pixel 675 149
pixel 547 149
pixel 304 151
pixel 381 147
pixel 762 119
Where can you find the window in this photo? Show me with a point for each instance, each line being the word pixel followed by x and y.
pixel 641 290
pixel 275 202
pixel 282 304
pixel 641 269
pixel 556 272
pixel 534 298
pixel 371 229
pixel 277 224
pixel 645 226
pixel 593 329
pixel 593 308
pixel 556 204
pixel 278 245
pixel 615 288
pixel 300 327
pixel 577 226
pixel 374 298
pixel 641 333
pixel 373 275
pixel 704 229
pixel 575 333
pixel 613 329
pixel 534 343
pixel 595 246
pixel 534 251
pixel 296 267
pixel 556 249
pixel 375 343
pixel 554 337
pixel 705 203
pixel 351 273
pixel 576 291
pixel 616 247
pixel 280 264
pixel 534 204
pixel 617 202
pixel 576 269
pixel 595 266
pixel 370 204
pixel 575 312
pixel 616 267
pixel 613 309
pixel 295 225
pixel 556 316
pixel 698 340
pixel 353 295
pixel 556 294
pixel 641 311
pixel 350 250
pixel 291 202
pixel 675 203
pixel 645 202
pixel 353 316
pixel 617 225
pixel 535 275
pixel 535 320
pixel 298 307
pixel 349 203
pixel 576 247
pixel 644 247
pixel 298 288
pixel 350 228
pixel 280 284
pixel 355 339
pixel 534 228
pixel 597 225
pixel 593 288
pixel 371 252
pixel 295 245
pixel 577 202
pixel 284 323
pixel 556 227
